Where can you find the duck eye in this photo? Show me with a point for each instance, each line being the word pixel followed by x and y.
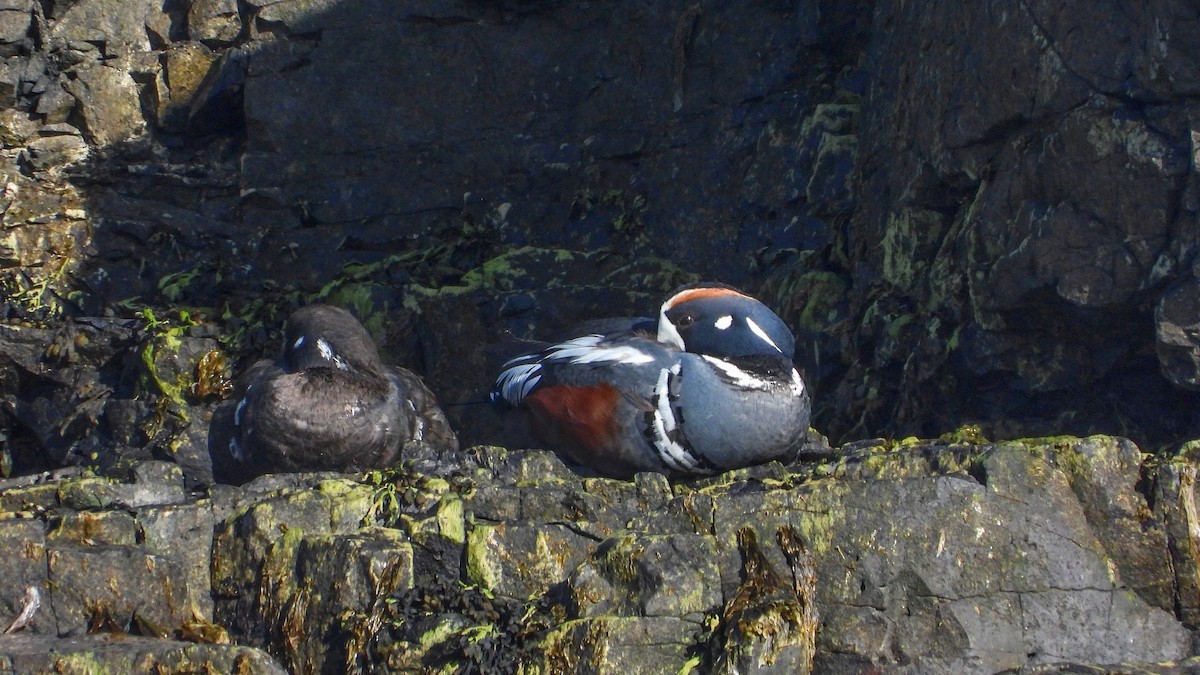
pixel 685 320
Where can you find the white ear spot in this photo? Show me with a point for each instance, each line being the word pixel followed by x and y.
pixel 299 341
pixel 724 322
pixel 757 330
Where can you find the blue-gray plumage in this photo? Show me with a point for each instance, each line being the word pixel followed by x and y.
pixel 714 390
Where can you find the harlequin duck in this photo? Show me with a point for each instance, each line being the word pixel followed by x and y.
pixel 328 403
pixel 714 390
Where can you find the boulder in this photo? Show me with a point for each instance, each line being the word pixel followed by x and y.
pixel 108 99
pixel 185 70
pixel 16 17
pixel 216 22
pixel 116 25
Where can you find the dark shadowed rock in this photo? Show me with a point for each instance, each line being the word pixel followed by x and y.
pixel 1177 325
pixel 993 240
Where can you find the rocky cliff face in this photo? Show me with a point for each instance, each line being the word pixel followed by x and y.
pixel 969 213
pixel 973 214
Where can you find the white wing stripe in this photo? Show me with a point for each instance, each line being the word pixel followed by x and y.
pixel 518 380
pixel 523 373
pixel 586 349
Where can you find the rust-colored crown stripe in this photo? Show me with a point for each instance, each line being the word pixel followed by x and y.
pixel 697 293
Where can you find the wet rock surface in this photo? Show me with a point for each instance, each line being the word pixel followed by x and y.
pixel 932 557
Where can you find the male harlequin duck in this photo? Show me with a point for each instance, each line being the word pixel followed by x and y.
pixel 328 403
pixel 714 390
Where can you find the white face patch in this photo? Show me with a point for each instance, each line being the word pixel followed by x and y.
pixel 757 330
pixel 667 332
pixel 325 349
pixel 737 376
pixel 299 341
pixel 724 322
pixel 328 354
